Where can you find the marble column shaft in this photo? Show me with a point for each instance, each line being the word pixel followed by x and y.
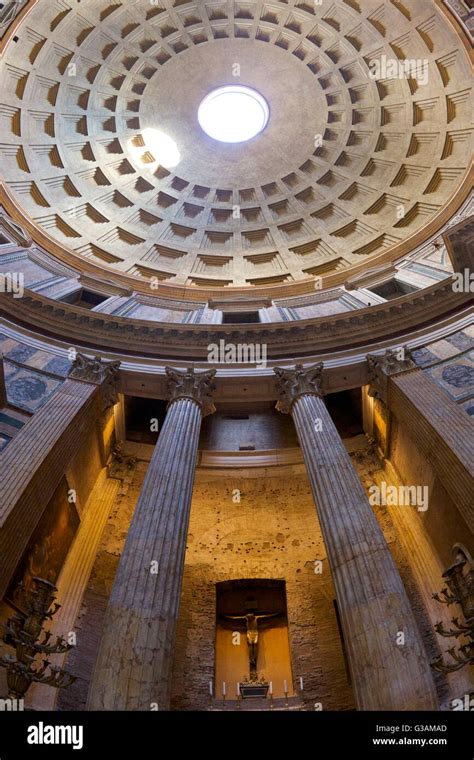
pixel 134 664
pixel 373 604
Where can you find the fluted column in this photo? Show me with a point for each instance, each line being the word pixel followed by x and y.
pixel 440 428
pixel 133 669
pixel 387 673
pixel 33 463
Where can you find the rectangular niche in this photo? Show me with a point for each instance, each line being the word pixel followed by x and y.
pixel 392 289
pixel 84 298
pixel 240 317
pixel 260 597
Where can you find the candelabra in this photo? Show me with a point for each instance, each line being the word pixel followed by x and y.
pixel 23 632
pixel 459 590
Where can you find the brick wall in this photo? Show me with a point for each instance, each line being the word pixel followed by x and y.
pixel 272 533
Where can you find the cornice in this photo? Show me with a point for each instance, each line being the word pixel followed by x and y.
pixel 243 383
pixel 284 340
pixel 218 461
pixel 451 12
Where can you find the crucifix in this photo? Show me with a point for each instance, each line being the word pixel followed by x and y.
pixel 251 621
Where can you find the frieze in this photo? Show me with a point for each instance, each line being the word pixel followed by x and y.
pixel 167 303
pixel 312 298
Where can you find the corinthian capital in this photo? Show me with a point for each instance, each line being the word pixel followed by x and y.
pixel 293 383
pixel 381 367
pixel 103 373
pixel 197 386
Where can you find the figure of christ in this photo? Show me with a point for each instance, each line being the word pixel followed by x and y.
pixel 251 621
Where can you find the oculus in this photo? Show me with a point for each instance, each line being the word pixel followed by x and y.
pixel 233 114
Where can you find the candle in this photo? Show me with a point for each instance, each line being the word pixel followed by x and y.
pixel 301 683
pixel 285 687
pixel 210 688
pixel 271 688
pixel 238 689
pixel 223 688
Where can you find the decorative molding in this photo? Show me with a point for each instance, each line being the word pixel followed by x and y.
pixel 371 276
pixel 9 12
pixel 300 381
pixel 105 287
pixel 460 245
pixel 251 303
pixel 383 366
pixel 277 458
pixel 13 230
pixel 16 255
pixel 463 13
pixel 167 303
pixel 44 260
pixel 197 386
pixel 313 298
pixel 189 342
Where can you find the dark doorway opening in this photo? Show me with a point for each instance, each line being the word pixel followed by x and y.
pixel 144 418
pixel 345 409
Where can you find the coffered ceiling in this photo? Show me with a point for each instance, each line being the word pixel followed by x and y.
pixel 348 168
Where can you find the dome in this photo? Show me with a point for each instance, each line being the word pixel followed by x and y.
pixel 364 150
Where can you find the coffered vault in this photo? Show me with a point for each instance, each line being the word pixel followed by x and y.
pixel 350 169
